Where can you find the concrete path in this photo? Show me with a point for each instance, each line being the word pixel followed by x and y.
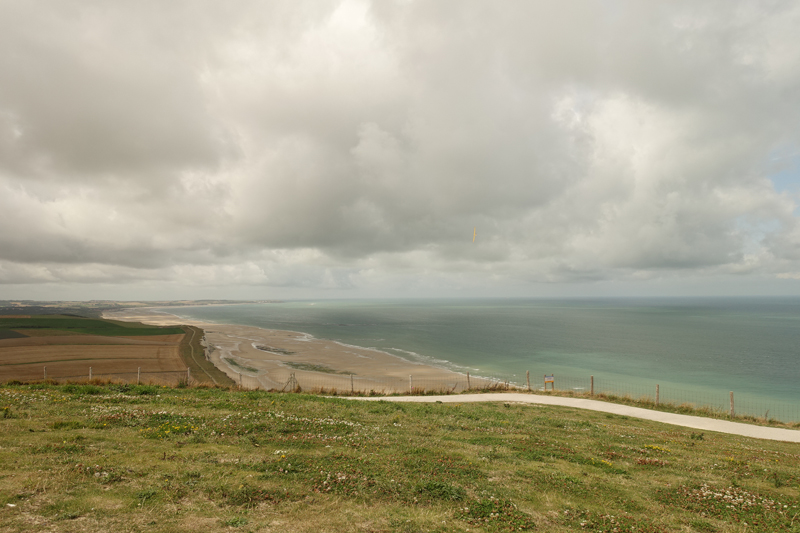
pixel 695 422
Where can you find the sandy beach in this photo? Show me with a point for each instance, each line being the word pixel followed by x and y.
pixel 267 358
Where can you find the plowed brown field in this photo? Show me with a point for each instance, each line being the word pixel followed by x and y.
pixel 71 356
pixel 154 339
pixel 159 340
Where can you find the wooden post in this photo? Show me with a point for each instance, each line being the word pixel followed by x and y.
pixel 468 385
pixel 240 379
pixel 90 373
pixel 352 389
pixel 528 378
pixel 410 383
pixel 657 392
pixel 732 411
pixel 188 374
pixel 591 386
pixel 138 375
pixel 45 372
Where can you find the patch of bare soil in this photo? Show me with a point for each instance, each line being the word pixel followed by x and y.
pixel 28 362
pixel 162 340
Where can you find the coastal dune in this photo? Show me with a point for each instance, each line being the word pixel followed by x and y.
pixel 278 359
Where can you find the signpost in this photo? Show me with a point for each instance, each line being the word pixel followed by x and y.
pixel 550 379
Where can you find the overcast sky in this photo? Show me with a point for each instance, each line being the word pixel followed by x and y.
pixel 292 149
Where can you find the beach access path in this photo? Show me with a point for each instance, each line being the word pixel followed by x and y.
pixel 694 422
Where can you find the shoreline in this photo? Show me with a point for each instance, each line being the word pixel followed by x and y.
pixel 270 359
pixel 263 358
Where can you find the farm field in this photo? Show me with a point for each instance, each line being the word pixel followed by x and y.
pixel 56 347
pixel 90 458
pixel 25 363
pixel 96 308
pixel 55 325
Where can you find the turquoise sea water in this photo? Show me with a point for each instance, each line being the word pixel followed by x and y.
pixel 695 349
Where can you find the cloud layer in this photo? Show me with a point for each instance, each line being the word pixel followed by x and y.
pixel 353 146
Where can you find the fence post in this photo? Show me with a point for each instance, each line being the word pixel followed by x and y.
pixel 188 375
pixel 45 372
pixel 138 375
pixel 468 385
pixel 90 373
pixel 657 391
pixel 410 384
pixel 528 378
pixel 591 387
pixel 732 411
pixel 352 389
pixel 240 380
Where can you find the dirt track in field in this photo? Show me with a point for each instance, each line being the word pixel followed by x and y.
pixel 71 356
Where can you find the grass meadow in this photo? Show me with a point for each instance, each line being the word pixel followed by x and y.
pixel 89 457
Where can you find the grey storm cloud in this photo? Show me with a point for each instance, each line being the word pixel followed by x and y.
pixel 355 145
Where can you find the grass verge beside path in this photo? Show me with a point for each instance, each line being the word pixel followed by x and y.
pixel 147 458
pixel 668 407
pixel 684 409
pixel 644 403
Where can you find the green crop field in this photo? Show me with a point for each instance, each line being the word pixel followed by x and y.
pixel 10 334
pixel 85 326
pixel 146 458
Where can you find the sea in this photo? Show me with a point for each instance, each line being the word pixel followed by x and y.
pixel 696 350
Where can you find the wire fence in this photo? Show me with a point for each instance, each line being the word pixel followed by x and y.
pixel 352 384
pixel 714 403
pixel 138 376
pixel 710 402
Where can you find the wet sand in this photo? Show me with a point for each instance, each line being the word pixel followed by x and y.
pixel 267 358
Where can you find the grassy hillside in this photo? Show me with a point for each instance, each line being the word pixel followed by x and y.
pixel 144 458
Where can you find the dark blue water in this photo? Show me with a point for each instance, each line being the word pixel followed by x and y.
pixel 702 346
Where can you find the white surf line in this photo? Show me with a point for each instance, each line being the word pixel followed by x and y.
pixel 695 422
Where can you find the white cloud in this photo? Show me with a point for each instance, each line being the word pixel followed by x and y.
pixel 351 146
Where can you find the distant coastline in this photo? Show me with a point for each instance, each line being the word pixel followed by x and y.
pixel 238 350
pixel 696 349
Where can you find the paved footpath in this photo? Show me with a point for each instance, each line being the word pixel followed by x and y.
pixel 695 422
